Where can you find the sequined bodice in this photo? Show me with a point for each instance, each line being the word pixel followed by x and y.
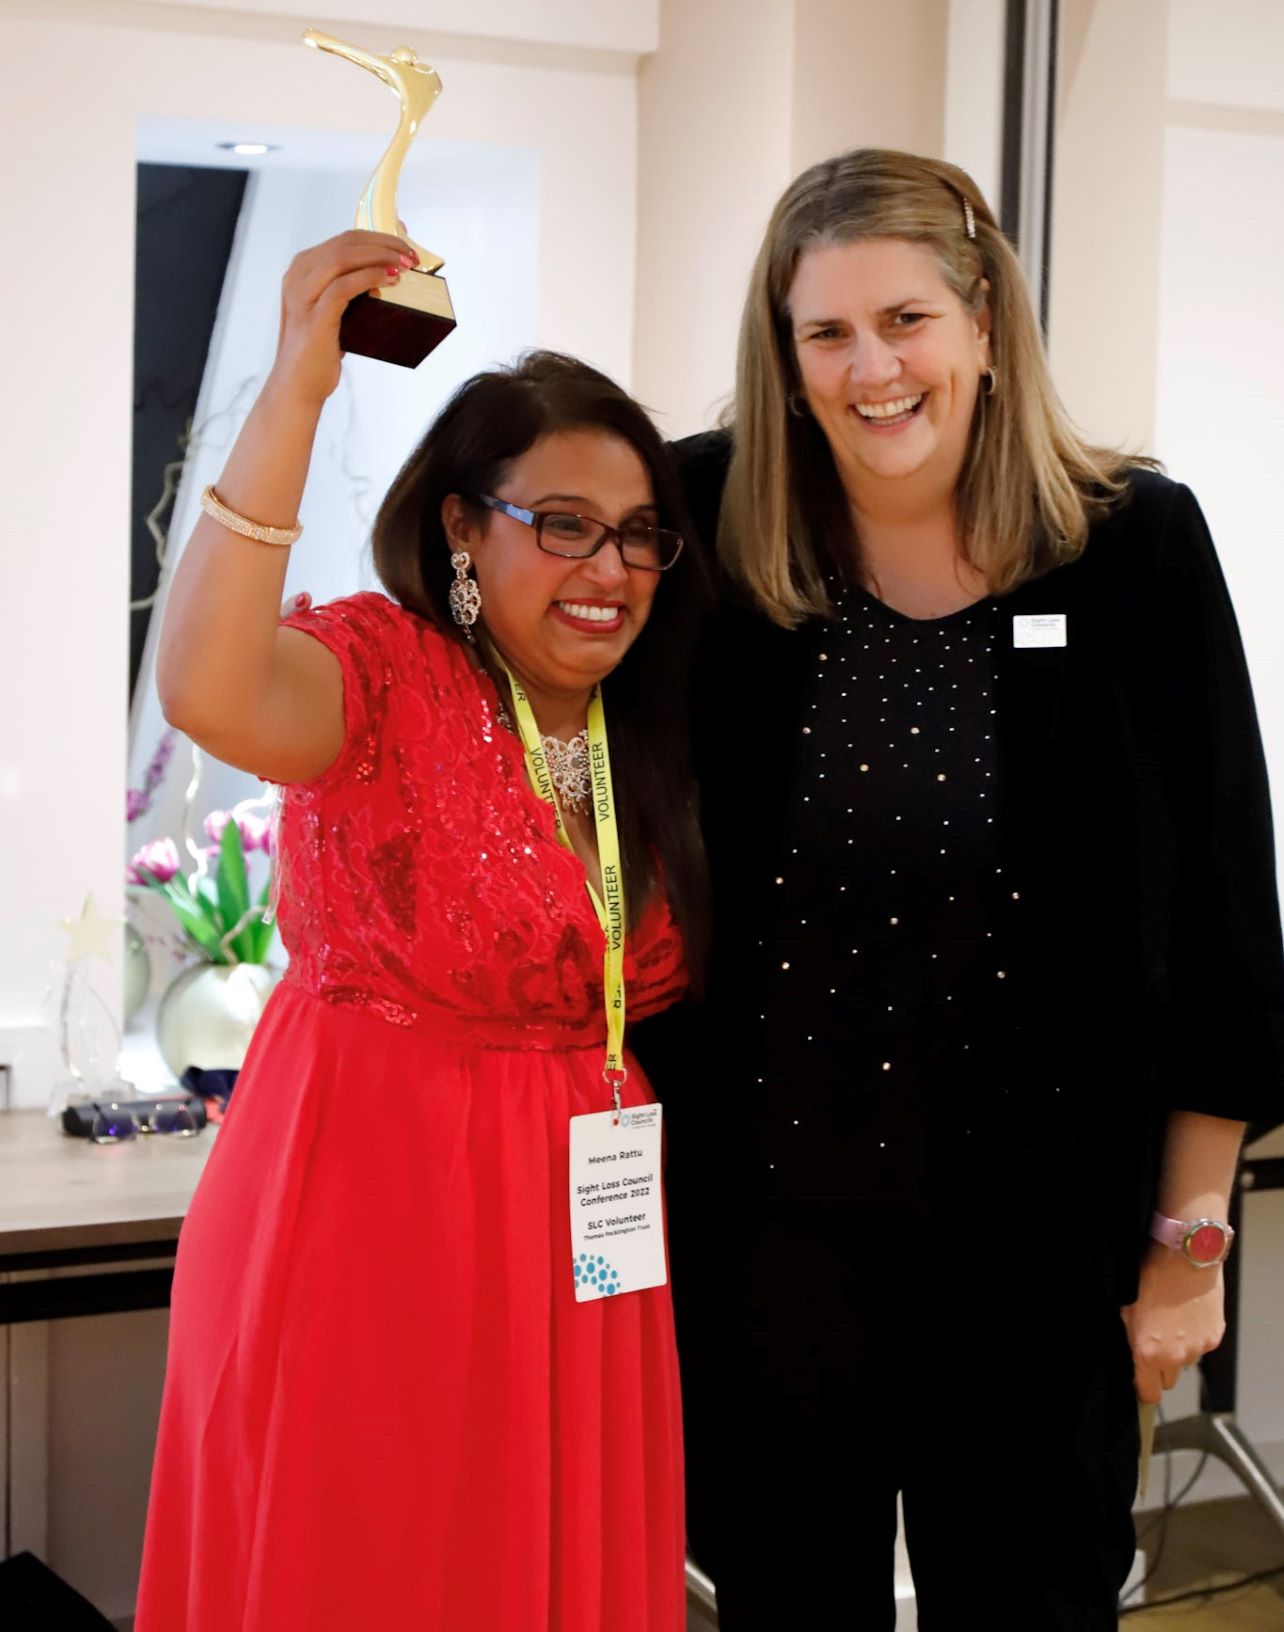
pixel 421 877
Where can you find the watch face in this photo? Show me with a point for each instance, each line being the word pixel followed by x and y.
pixel 1206 1243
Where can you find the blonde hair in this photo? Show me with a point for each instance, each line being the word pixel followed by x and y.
pixel 1030 485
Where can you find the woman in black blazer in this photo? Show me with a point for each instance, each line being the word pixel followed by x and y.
pixel 997 976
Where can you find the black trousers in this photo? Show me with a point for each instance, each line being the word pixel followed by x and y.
pixel 831 1361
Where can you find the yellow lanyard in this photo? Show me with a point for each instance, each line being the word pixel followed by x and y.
pixel 609 907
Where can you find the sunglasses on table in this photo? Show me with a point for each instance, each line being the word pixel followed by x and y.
pixel 116 1124
pixel 575 538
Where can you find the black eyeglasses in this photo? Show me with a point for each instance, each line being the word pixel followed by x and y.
pixel 558 532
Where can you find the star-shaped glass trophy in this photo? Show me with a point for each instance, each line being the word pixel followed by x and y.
pixel 88 1036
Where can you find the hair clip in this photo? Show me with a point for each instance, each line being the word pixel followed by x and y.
pixel 969 221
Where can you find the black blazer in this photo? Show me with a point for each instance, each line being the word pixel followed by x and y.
pixel 1136 823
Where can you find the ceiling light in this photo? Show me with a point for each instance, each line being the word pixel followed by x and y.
pixel 248 150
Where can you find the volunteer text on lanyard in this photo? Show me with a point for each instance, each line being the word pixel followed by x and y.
pixel 617 1222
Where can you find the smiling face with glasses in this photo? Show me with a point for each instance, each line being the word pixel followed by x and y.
pixel 568 552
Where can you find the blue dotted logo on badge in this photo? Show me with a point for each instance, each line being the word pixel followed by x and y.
pixel 594 1278
pixel 624 1119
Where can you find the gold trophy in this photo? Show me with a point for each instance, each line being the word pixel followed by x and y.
pixel 404 322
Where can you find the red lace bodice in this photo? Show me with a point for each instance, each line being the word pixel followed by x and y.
pixel 421 878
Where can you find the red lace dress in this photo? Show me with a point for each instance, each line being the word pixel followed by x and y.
pixel 384 1410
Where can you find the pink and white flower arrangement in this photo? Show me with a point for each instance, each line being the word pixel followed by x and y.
pixel 215 912
pixel 253 829
pixel 154 863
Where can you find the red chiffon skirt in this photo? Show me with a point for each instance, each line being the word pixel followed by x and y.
pixel 384 1409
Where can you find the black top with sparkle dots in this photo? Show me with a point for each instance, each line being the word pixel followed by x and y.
pixel 883 935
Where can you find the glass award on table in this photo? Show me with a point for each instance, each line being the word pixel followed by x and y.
pixel 86 1030
pixel 404 322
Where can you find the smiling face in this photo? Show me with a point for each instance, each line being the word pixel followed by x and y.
pixel 890 362
pixel 561 625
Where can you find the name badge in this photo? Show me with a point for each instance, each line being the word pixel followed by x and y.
pixel 1039 629
pixel 617 1219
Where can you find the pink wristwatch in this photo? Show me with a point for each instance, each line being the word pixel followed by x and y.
pixel 1203 1242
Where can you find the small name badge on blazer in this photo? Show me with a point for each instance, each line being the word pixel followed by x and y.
pixel 1039 629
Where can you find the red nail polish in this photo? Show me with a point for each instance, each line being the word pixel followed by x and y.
pixel 405 260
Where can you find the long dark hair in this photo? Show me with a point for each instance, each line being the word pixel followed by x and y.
pixel 490 421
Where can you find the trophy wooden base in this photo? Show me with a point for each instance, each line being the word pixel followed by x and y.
pixel 400 324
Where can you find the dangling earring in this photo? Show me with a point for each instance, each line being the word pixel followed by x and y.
pixel 797 404
pixel 465 596
pixel 991 381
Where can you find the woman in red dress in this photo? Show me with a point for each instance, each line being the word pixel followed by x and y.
pixel 385 1407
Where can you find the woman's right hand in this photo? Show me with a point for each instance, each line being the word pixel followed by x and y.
pixel 315 293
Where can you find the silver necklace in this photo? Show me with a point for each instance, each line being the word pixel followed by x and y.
pixel 568 765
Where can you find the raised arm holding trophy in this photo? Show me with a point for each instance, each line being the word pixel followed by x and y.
pixel 401 324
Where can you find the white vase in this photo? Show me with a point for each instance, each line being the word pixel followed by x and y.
pixel 208 1015
pixel 138 972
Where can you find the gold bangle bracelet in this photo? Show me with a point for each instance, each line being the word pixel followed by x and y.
pixel 214 506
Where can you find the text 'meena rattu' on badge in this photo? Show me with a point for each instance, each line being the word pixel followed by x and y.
pixel 617 1219
pixel 1039 629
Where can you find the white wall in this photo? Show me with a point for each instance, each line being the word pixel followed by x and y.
pixel 1220 385
pixel 613 25
pixel 1106 216
pixel 867 74
pixel 737 101
pixel 974 92
pixel 1230 54
pixel 713 154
